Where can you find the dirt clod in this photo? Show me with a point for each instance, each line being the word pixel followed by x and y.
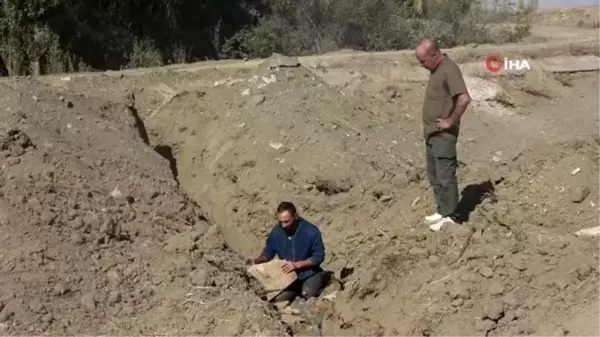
pixel 519 313
pixel 559 332
pixel 88 301
pixel 486 272
pixel 484 326
pixel 493 310
pixel 579 193
pixel 114 297
pixel 510 300
pixel 61 289
pixel 496 288
pixel 77 238
pixel 583 271
pixel 418 252
pixel 519 263
pixel 459 291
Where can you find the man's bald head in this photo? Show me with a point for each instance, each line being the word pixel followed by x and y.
pixel 429 54
pixel 428 46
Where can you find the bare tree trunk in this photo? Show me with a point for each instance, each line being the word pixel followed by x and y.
pixel 418 6
pixel 35 68
pixel 535 5
pixel 36 51
pixel 13 56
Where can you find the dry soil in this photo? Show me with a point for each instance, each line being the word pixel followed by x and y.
pixel 129 203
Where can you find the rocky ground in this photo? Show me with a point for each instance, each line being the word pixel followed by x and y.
pixel 129 203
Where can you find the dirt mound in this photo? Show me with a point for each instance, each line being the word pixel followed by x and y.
pixel 98 237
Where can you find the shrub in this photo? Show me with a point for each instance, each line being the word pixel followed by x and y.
pixel 298 28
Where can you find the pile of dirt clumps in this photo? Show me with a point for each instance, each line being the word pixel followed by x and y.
pixel 98 238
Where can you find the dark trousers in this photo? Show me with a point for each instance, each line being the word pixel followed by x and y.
pixel 307 288
pixel 441 172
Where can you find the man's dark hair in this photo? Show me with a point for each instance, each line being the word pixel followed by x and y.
pixel 286 206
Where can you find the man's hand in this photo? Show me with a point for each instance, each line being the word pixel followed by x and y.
pixel 444 124
pixel 289 267
pixel 261 259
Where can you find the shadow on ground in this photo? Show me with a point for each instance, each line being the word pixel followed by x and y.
pixel 474 195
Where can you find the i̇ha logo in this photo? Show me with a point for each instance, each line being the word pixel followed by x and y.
pixel 495 63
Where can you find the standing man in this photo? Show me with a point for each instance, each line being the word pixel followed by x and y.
pixel 300 244
pixel 446 99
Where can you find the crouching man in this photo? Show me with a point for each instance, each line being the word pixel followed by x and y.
pixel 299 243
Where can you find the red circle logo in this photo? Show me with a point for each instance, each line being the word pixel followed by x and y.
pixel 494 63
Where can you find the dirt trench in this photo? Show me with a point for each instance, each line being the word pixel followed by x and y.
pixel 232 247
pixel 97 236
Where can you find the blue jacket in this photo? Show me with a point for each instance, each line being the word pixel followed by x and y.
pixel 306 243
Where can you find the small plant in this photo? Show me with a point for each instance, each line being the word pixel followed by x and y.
pixel 144 54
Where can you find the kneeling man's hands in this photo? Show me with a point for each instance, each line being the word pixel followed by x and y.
pixel 444 124
pixel 289 267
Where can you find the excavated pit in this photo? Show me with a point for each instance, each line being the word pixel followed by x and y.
pixel 104 235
